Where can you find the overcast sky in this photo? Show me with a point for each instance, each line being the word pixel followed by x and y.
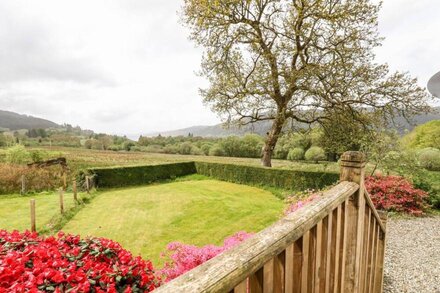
pixel 127 66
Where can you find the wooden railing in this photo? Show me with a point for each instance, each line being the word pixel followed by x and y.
pixel 335 244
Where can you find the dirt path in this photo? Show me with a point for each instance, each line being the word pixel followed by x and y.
pixel 412 259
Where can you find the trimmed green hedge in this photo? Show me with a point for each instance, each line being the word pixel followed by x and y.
pixel 138 175
pixel 281 178
pixel 242 174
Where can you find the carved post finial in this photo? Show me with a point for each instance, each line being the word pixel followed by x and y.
pixel 352 167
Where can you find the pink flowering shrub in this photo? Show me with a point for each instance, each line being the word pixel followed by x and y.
pixel 305 198
pixel 66 263
pixel 183 257
pixel 395 193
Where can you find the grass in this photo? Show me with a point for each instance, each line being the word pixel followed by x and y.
pixel 15 210
pixel 145 219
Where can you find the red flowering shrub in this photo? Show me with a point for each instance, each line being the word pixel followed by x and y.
pixel 394 193
pixel 66 263
pixel 185 257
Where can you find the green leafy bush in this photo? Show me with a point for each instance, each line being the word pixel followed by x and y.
pixel 17 155
pixel 315 154
pixel 429 159
pixel 296 154
pixel 216 150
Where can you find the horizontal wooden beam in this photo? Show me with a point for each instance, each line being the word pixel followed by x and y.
pixel 224 272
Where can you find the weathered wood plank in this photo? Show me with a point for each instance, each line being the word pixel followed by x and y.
pixel 305 263
pixel 378 284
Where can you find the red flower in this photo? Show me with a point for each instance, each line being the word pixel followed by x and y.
pixel 29 263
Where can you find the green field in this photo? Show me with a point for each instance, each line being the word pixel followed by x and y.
pixel 145 219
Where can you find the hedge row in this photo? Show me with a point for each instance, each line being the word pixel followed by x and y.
pixel 281 178
pixel 139 175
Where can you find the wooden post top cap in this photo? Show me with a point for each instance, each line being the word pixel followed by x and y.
pixel 353 156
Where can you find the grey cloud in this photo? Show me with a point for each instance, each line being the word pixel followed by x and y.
pixel 29 52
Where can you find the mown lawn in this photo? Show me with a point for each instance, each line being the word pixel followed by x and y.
pixel 15 209
pixel 145 219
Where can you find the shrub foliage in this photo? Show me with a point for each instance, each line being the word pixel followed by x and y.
pixel 395 193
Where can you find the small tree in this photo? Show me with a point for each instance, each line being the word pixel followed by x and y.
pixel 281 60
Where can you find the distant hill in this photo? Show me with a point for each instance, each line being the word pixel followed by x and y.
pixel 263 127
pixel 14 121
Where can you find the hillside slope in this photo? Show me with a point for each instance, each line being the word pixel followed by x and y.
pixel 263 127
pixel 13 121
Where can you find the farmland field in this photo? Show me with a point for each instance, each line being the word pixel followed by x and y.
pixel 84 158
pixel 145 219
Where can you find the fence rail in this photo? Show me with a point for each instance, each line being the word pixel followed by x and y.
pixel 335 244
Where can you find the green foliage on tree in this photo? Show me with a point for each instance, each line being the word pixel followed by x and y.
pixel 424 136
pixel 303 61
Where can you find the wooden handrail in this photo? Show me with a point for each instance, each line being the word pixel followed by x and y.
pixel 224 272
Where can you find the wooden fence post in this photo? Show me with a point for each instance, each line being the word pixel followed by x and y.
pixel 64 181
pixel 61 201
pixel 353 170
pixel 87 184
pixel 23 184
pixel 75 191
pixel 33 219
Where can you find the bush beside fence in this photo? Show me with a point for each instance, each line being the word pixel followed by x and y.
pixel 281 178
pixel 138 175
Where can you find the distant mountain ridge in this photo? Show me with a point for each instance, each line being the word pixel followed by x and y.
pixel 262 127
pixel 14 121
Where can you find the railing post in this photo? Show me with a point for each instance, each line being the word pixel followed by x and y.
pixel 353 170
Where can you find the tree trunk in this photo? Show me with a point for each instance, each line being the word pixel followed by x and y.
pixel 271 139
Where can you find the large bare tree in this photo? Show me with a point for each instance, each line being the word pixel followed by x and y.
pixel 300 59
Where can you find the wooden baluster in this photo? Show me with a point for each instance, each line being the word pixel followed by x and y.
pixel 319 261
pixel 294 261
pixel 335 249
pixel 274 274
pixel 367 248
pixel 312 259
pixel 324 271
pixel 372 255
pixel 343 249
pixel 378 284
pixel 305 262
